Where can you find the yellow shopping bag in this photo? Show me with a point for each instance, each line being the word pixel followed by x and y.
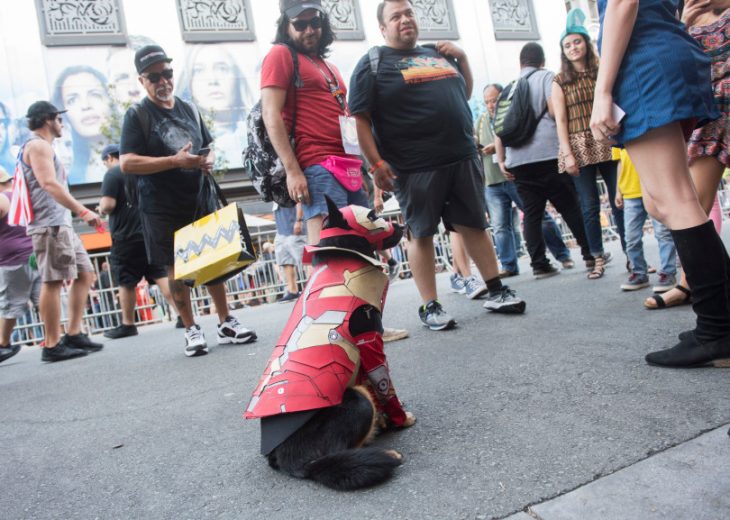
pixel 215 247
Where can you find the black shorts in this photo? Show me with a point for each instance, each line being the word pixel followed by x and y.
pixel 454 193
pixel 129 264
pixel 159 235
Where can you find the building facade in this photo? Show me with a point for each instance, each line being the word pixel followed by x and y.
pixel 79 55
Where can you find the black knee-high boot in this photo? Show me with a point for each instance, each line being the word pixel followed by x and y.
pixel 703 257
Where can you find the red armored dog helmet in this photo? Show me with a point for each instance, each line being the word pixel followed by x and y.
pixel 355 229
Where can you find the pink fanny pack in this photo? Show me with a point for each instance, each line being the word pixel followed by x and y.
pixel 346 171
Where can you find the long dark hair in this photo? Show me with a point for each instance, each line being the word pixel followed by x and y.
pixel 568 74
pixel 328 35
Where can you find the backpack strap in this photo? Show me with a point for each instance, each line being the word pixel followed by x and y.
pixel 544 111
pixel 297 83
pixel 144 119
pixel 374 57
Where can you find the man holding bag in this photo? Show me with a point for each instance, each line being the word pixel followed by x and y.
pixel 166 144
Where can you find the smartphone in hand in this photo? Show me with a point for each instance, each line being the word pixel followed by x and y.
pixel 203 152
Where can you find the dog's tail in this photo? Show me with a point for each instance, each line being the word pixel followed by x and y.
pixel 354 469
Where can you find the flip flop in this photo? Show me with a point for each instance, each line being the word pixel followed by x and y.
pixel 661 304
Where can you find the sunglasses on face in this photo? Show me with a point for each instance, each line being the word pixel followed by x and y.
pixel 154 77
pixel 301 25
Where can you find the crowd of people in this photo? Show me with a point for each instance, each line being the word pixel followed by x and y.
pixel 626 118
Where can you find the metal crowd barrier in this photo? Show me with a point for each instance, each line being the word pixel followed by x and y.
pixel 258 284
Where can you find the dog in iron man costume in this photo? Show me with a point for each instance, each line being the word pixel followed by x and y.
pixel 327 389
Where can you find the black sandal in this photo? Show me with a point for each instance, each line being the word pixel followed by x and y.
pixel 661 304
pixel 599 268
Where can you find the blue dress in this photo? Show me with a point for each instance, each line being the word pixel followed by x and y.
pixel 664 76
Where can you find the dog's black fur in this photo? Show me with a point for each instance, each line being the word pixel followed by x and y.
pixel 328 447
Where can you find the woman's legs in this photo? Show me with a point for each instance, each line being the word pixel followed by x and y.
pixel 660 159
pixel 706 173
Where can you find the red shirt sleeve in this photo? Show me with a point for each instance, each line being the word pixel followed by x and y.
pixel 278 68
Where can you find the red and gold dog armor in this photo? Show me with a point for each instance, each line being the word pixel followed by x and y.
pixel 325 348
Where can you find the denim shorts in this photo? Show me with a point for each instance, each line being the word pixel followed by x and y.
pixel 320 181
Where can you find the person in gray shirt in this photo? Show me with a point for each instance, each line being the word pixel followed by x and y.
pixel 534 168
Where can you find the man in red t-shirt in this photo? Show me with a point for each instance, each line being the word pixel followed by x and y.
pixel 321 113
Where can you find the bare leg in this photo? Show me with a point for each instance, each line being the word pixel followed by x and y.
pixel 164 286
pixel 290 278
pixel 50 311
pixel 479 246
pixel 661 161
pixel 220 300
pixel 314 226
pixel 77 295
pixel 181 297
pixel 706 173
pixel 462 263
pixel 127 299
pixel 422 258
pixel 6 330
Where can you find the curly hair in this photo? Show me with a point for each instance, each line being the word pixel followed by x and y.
pixel 328 35
pixel 567 73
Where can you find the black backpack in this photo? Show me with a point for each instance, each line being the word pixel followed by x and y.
pixel 514 120
pixel 260 161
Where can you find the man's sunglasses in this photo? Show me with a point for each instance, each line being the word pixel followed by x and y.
pixel 301 25
pixel 154 77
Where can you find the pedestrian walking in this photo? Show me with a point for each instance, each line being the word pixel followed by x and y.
pixel 19 281
pixel 646 59
pixel 534 167
pixel 59 252
pixel 167 145
pixel 128 255
pixel 580 155
pixel 424 152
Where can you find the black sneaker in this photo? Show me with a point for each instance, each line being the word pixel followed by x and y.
pixel 81 341
pixel 545 272
pixel 122 331
pixel 8 352
pixel 61 352
pixel 434 317
pixel 289 297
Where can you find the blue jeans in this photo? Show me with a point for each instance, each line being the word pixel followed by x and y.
pixel 320 181
pixel 590 202
pixel 499 199
pixel 635 215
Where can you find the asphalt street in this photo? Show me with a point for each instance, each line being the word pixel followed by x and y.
pixel 514 413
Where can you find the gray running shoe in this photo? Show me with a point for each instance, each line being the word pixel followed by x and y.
pixel 434 317
pixel 635 282
pixel 505 301
pixel 458 283
pixel 473 288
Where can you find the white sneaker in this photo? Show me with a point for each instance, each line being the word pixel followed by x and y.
pixel 195 344
pixel 231 331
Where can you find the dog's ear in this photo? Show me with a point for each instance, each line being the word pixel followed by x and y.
pixel 334 218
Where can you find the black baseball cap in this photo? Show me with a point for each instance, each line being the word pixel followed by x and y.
pixel 293 8
pixel 109 150
pixel 43 109
pixel 149 55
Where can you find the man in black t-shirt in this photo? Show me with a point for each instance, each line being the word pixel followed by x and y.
pixel 415 127
pixel 128 254
pixel 166 144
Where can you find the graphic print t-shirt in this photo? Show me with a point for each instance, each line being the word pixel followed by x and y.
pixel 173 191
pixel 419 109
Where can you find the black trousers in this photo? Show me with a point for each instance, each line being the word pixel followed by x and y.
pixel 538 183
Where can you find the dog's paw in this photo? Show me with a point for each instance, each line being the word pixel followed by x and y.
pixel 410 420
pixel 396 455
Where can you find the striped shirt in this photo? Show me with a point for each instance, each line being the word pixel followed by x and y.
pixel 579 99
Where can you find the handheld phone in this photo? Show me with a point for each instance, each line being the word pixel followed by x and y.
pixel 203 152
